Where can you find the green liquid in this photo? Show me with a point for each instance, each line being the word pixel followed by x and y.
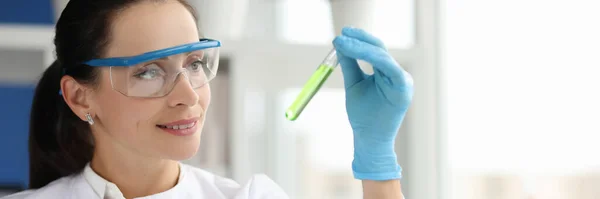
pixel 310 89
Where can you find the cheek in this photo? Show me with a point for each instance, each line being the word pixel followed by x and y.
pixel 204 94
pixel 123 116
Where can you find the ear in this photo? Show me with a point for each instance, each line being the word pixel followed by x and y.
pixel 77 96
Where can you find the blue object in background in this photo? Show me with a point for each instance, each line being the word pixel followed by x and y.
pixel 27 12
pixel 15 104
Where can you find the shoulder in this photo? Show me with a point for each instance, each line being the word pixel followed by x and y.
pixel 60 188
pixel 258 186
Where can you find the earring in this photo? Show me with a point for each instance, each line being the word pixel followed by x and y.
pixel 89 118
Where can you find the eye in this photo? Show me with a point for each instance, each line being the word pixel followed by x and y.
pixel 150 72
pixel 196 66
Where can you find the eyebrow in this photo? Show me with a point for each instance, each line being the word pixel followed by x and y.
pixel 169 57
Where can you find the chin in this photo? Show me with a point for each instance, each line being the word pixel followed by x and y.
pixel 180 147
pixel 183 151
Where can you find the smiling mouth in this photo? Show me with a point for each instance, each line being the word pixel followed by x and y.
pixel 178 127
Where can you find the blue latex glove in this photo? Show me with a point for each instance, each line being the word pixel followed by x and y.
pixel 376 104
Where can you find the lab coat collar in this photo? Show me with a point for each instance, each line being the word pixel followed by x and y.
pixel 105 189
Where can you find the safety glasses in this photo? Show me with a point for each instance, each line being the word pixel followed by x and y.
pixel 155 73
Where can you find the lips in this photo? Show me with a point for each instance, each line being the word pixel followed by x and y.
pixel 176 127
pixel 181 127
pixel 180 122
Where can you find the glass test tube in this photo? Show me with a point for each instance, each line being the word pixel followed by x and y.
pixel 312 86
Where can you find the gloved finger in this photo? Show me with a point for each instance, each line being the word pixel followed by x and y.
pixel 363 35
pixel 376 56
pixel 350 70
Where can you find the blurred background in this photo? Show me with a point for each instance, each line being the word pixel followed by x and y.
pixel 506 103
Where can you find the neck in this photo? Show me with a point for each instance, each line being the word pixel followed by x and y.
pixel 134 175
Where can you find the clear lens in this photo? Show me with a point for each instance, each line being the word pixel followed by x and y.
pixel 157 78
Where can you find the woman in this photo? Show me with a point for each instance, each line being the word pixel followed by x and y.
pixel 126 98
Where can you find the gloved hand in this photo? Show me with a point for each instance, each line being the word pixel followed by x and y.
pixel 376 104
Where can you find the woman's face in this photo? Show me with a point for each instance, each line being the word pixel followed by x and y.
pixel 137 125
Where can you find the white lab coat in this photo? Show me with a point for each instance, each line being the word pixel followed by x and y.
pixel 193 183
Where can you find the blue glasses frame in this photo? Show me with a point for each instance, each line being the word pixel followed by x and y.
pixel 153 55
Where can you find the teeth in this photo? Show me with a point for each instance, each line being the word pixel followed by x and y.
pixel 177 127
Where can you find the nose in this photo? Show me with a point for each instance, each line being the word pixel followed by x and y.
pixel 183 94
